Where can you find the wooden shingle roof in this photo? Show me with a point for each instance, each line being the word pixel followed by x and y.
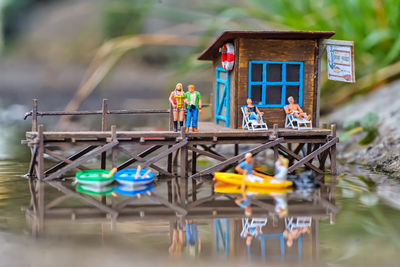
pixel 210 52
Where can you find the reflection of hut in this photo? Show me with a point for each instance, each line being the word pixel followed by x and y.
pixel 268 67
pixel 269 245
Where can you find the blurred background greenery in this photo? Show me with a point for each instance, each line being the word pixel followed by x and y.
pixel 110 33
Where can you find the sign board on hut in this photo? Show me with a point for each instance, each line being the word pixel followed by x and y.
pixel 340 59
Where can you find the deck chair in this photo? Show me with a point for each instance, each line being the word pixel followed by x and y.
pixel 247 223
pixel 252 124
pixel 297 123
pixel 292 223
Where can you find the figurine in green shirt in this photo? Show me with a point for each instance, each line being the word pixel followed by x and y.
pixel 194 106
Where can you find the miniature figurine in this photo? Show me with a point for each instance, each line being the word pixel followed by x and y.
pixel 250 231
pixel 176 99
pixel 246 168
pixel 253 112
pixel 193 241
pixel 295 110
pixel 281 169
pixel 245 203
pixel 176 247
pixel 294 234
pixel 281 206
pixel 194 104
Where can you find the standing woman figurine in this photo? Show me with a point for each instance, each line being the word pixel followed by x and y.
pixel 176 99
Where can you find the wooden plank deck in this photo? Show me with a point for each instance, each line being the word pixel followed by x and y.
pixel 206 129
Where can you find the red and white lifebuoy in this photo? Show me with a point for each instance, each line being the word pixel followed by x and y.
pixel 228 56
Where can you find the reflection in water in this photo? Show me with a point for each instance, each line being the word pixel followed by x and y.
pixel 210 226
pixel 76 229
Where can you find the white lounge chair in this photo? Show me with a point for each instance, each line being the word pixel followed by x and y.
pixel 297 123
pixel 255 222
pixel 292 223
pixel 252 124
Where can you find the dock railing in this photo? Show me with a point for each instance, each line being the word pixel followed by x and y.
pixel 104 112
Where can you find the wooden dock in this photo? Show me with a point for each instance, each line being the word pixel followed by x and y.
pixel 305 148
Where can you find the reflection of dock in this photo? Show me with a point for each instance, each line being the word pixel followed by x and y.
pixel 63 206
pixel 309 148
pixel 74 205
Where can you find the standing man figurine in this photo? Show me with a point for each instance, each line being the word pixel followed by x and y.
pixel 194 106
pixel 176 99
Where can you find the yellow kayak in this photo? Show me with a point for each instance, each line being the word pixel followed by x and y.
pixel 237 179
pixel 220 187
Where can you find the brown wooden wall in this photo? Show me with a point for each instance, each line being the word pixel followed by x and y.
pixel 274 50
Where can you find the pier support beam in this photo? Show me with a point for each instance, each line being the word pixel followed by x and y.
pixel 40 156
pixel 237 158
pixel 183 173
pixel 333 151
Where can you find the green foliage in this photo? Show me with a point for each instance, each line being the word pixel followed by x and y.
pixel 343 136
pixel 369 121
pixel 125 17
pixel 367 124
pixel 13 12
pixel 373 25
pixel 368 182
pixel 349 125
pixel 371 135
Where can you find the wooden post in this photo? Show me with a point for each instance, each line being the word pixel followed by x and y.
pixel 104 116
pixel 183 176
pixel 169 161
pixel 169 189
pixel 114 149
pixel 34 115
pixel 169 169
pixel 41 204
pixel 275 131
pixel 309 151
pixel 333 151
pixel 194 170
pixel 183 134
pixel 319 52
pixel 236 151
pixel 171 118
pixel 290 158
pixel 276 153
pixel 40 156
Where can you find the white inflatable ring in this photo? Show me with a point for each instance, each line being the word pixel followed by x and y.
pixel 228 56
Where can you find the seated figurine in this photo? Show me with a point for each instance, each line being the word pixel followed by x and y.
pixel 281 170
pixel 253 112
pixel 295 110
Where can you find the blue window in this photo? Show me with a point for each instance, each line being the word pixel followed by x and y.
pixel 272 82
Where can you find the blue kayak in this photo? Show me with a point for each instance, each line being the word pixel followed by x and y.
pixel 133 191
pixel 127 177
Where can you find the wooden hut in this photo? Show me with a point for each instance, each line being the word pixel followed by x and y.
pixel 269 66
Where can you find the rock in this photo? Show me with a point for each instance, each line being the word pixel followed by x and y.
pixel 383 153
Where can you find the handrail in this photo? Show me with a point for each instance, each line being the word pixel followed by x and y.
pixel 104 112
pixel 99 112
pixel 95 112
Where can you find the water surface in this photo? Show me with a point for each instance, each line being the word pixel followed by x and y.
pixel 363 231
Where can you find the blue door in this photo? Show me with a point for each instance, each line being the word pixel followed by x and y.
pixel 222 96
